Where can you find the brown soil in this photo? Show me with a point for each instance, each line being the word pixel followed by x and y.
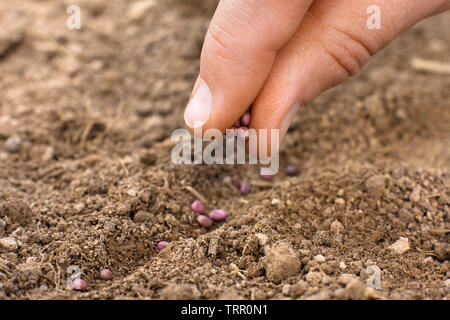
pixel 93 185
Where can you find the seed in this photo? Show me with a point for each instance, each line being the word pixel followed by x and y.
pixel 245 119
pixel 106 274
pixel 267 177
pixel 204 221
pixel 218 214
pixel 236 182
pixel 244 189
pixel 162 245
pixel 13 144
pixel 79 285
pixel 198 206
pixel 292 170
pixel 237 124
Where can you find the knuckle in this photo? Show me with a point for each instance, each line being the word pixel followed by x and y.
pixel 221 41
pixel 348 50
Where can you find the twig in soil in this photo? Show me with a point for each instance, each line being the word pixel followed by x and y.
pixel 436 195
pixel 440 231
pixel 428 253
pixel 127 173
pixel 261 184
pixel 238 272
pixel 196 194
pixel 430 66
pixel 167 188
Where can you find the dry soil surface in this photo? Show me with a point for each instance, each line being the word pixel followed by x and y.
pixel 90 182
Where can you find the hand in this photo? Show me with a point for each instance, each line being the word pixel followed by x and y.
pixel 280 54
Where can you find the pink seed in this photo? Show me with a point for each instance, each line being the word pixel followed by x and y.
pixel 79 285
pixel 204 221
pixel 106 274
pixel 236 182
pixel 267 177
pixel 244 189
pixel 218 214
pixel 237 124
pixel 292 170
pixel 162 245
pixel 198 206
pixel 245 119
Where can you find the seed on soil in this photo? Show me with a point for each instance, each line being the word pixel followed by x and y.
pixel 267 177
pixel 162 245
pixel 13 144
pixel 204 221
pixel 218 214
pixel 236 182
pixel 244 189
pixel 198 206
pixel 106 274
pixel 79 285
pixel 292 170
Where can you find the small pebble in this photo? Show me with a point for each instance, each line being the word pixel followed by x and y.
pixel 400 246
pixel 198 206
pixel 244 189
pixel 79 285
pixel 218 214
pixel 292 170
pixel 8 245
pixel 13 144
pixel 106 274
pixel 204 221
pixel 162 245
pixel 319 258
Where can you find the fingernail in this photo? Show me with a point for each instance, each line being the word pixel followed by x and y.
pixel 286 123
pixel 199 108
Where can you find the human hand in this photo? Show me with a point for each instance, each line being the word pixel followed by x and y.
pixel 277 55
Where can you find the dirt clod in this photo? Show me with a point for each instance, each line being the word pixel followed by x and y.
pixel 281 261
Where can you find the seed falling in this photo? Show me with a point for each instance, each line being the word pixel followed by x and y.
pixel 244 188
pixel 106 274
pixel 162 245
pixel 79 285
pixel 292 170
pixel 204 221
pixel 198 206
pixel 218 214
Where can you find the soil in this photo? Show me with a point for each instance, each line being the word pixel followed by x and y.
pixel 90 182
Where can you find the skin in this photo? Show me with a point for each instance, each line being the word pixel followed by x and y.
pixel 274 53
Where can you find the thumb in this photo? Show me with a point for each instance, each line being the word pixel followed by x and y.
pixel 239 50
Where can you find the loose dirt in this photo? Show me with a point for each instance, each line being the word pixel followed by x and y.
pixel 92 184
